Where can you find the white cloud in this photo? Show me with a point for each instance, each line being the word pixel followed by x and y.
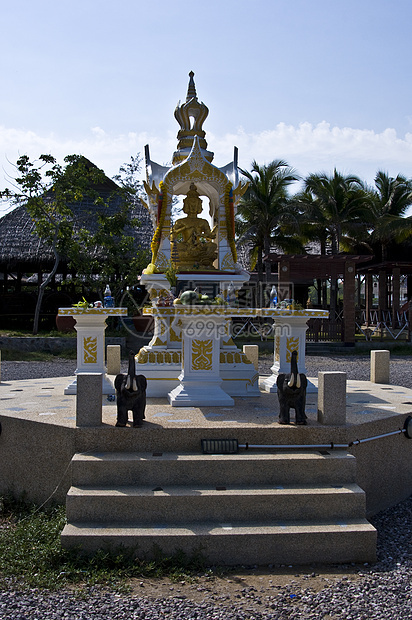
pixel 322 147
pixel 308 148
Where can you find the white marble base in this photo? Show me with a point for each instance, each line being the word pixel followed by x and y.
pixel 201 395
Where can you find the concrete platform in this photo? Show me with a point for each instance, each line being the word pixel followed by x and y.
pixel 39 436
pixel 43 401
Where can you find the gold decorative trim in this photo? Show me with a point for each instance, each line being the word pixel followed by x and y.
pixel 90 350
pixel 202 354
pixel 158 343
pixel 161 261
pixel 87 311
pixel 233 357
pixel 181 310
pixel 161 211
pixel 228 343
pixel 173 337
pixel 227 262
pixel 230 220
pixel 277 348
pixel 159 357
pixel 292 344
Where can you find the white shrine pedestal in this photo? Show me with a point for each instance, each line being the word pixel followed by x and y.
pixel 90 326
pixel 290 335
pixel 200 380
pixel 204 338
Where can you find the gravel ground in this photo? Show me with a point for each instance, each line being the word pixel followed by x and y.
pixel 356 367
pixel 382 591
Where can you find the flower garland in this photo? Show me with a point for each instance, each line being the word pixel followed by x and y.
pixel 230 220
pixel 161 213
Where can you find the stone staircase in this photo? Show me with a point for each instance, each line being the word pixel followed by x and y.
pixel 253 507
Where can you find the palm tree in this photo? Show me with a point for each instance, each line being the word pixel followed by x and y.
pixel 390 201
pixel 336 210
pixel 265 210
pixel 338 205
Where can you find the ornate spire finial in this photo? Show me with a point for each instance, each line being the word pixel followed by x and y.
pixel 190 116
pixel 191 89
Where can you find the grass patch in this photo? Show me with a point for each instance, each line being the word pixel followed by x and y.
pixel 31 554
pixel 26 333
pixel 14 355
pixel 113 331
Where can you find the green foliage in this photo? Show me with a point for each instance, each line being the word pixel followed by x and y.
pixel 390 200
pixel 108 254
pixel 13 355
pixel 265 213
pixel 337 208
pixel 31 554
pixel 47 190
pixel 29 544
pixel 96 240
pixel 171 274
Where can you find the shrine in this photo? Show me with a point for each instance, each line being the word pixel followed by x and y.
pixel 240 483
pixel 192 254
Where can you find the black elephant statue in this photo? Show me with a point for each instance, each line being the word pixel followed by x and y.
pixel 292 393
pixel 130 395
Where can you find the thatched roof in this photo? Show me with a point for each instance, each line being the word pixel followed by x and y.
pixel 22 250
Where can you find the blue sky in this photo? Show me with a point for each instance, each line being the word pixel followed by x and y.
pixel 319 83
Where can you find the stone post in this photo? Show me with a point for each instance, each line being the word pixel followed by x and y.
pixel 332 398
pixel 380 366
pixel 252 353
pixel 113 359
pixel 89 399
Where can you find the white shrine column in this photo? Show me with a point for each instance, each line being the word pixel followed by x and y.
pixel 200 381
pixel 90 327
pixel 290 335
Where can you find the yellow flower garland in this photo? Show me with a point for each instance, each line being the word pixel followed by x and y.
pixel 230 220
pixel 162 202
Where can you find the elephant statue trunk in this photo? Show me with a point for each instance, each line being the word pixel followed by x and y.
pixel 291 390
pixel 130 395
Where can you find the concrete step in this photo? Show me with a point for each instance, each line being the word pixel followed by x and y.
pixel 254 507
pixel 178 504
pixel 246 468
pixel 155 438
pixel 232 543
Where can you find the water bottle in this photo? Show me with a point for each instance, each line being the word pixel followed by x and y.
pixel 273 297
pixel 231 294
pixel 108 300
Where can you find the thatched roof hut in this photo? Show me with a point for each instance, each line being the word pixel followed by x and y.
pixel 23 252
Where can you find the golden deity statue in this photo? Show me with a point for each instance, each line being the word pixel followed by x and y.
pixel 191 238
